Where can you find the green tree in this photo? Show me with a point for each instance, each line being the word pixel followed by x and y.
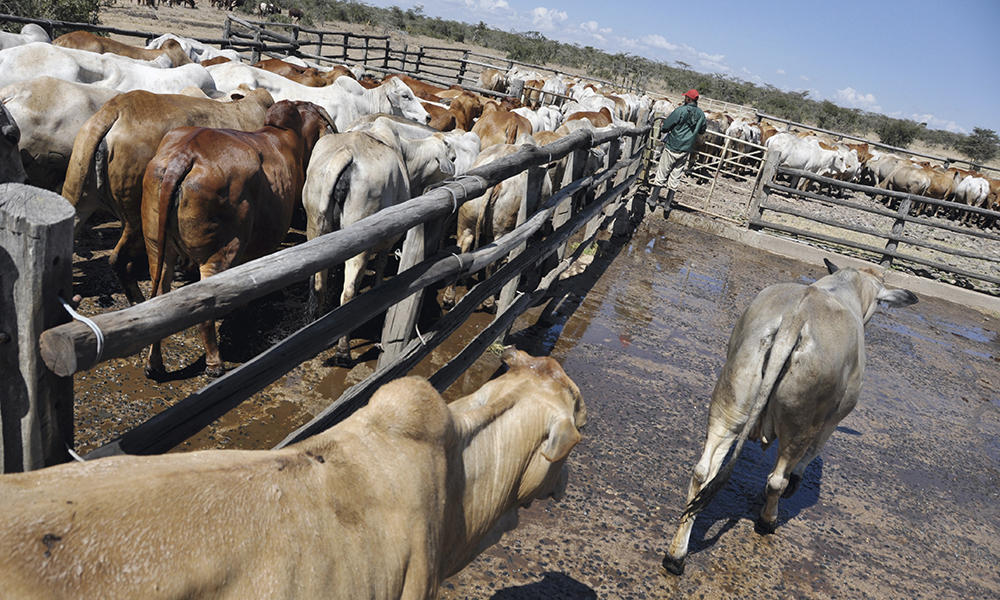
pixel 982 146
pixel 898 132
pixel 74 11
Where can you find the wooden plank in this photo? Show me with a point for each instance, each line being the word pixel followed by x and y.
pixel 36 270
pixel 875 250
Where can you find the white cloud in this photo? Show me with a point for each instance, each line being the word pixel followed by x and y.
pixel 594 28
pixel 781 72
pixel 546 18
pixel 488 5
pixel 854 99
pixel 804 78
pixel 658 41
pixel 936 123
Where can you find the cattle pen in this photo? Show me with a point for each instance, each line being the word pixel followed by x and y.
pixel 582 207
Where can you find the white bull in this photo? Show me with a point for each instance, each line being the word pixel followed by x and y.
pixel 29 33
pixel 345 99
pixel 22 63
pixel 794 370
pixel 385 505
pixel 50 112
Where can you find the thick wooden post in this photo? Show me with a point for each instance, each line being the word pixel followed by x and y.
pixel 897 230
pixel 536 177
pixel 768 172
pixel 36 269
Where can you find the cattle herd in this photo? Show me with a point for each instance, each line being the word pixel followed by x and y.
pixel 203 159
pixel 860 162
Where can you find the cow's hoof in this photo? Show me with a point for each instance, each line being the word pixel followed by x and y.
pixel 154 373
pixel 672 565
pixel 215 372
pixel 793 485
pixel 764 528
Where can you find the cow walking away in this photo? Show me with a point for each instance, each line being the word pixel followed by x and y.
pixel 402 494
pixel 222 197
pixel 793 371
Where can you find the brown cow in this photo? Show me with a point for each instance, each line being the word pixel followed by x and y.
pixel 222 197
pixel 601 118
pixel 466 107
pixel 84 40
pixel 387 504
pixel 498 125
pixel 114 146
pixel 442 119
pixel 305 75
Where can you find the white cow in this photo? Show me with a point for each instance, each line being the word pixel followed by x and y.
pixel 22 63
pixel 807 154
pixel 11 169
pixel 196 51
pixel 29 33
pixel 50 112
pixel 345 99
pixel 385 505
pixel 793 371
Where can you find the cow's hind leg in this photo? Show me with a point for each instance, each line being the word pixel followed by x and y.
pixel 789 458
pixel 354 271
pixel 720 438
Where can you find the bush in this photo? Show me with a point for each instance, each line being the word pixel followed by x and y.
pixel 982 146
pixel 898 132
pixel 74 11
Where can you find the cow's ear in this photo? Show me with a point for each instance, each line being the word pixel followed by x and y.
pixel 832 268
pixel 563 436
pixel 446 166
pixel 897 298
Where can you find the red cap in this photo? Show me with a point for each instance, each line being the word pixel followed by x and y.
pixel 692 94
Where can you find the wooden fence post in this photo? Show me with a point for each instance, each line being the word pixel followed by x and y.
pixel 897 230
pixel 36 269
pixel 536 178
pixel 462 68
pixel 768 172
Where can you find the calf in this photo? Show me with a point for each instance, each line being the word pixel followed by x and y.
pixel 84 40
pixel 794 369
pixel 222 197
pixel 387 504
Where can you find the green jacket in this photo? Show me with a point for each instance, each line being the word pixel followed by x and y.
pixel 682 127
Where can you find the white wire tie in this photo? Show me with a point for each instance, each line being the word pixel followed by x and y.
pixel 420 337
pixel 454 198
pixel 93 327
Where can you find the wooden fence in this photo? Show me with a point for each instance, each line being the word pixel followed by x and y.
pixel 582 206
pixel 897 237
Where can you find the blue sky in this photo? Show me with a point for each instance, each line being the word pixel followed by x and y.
pixel 935 62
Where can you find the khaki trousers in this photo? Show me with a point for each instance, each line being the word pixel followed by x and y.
pixel 670 169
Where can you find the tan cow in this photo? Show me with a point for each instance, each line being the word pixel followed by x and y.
pixel 794 369
pixel 385 505
pixel 114 146
pixel 84 40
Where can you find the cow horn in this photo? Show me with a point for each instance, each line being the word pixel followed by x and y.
pixel 830 266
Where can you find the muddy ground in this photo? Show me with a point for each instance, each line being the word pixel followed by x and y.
pixel 903 503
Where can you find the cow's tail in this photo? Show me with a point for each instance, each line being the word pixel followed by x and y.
pixel 87 154
pixel 486 214
pixel 784 339
pixel 174 173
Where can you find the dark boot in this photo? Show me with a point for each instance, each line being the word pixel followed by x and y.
pixel 654 195
pixel 666 202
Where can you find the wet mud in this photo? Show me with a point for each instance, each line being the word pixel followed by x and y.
pixel 903 503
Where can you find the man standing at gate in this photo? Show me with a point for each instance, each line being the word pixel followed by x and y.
pixel 680 131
